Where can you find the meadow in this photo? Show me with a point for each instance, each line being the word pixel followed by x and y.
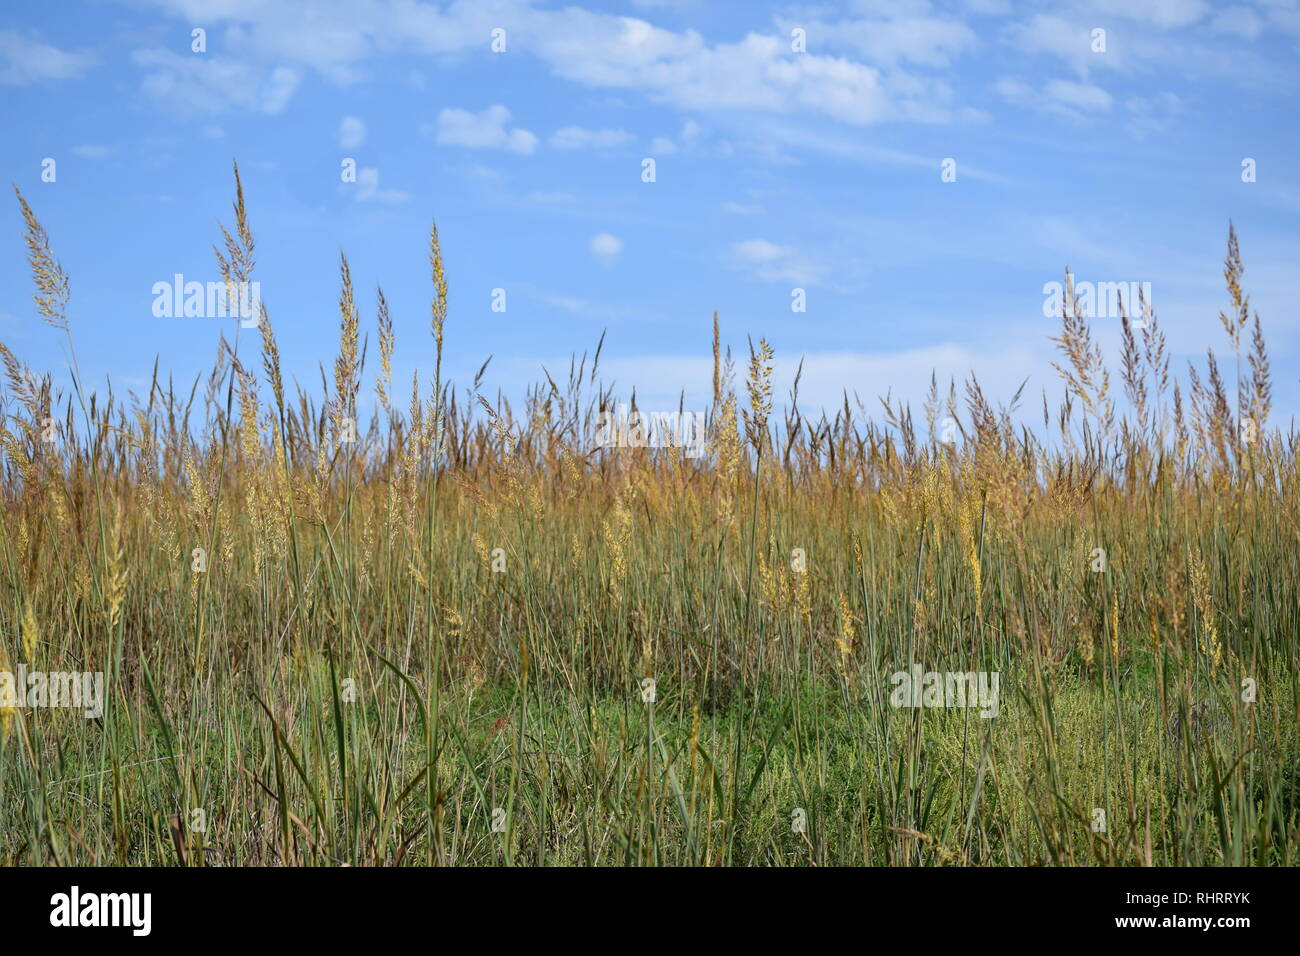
pixel 456 633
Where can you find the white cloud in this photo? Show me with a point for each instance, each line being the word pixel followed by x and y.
pixel 666 146
pixel 90 151
pixel 606 247
pixel 1285 16
pixel 485 130
pixel 1152 114
pixel 1014 91
pixel 773 134
pixel 774 263
pixel 598 49
pixel 1080 96
pixel 279 89
pixel 1060 97
pixel 897 38
pixel 368 189
pixel 24 60
pixel 550 198
pixel 1165 36
pixel 887 62
pixel 575 137
pixel 756 73
pixel 485 176
pixel 1160 13
pixel 1067 41
pixel 566 302
pixel 761 251
pixel 212 84
pixel 1238 21
pixel 352 132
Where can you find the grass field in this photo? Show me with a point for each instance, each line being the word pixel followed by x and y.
pixel 430 645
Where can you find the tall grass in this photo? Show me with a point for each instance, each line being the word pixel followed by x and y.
pixel 428 645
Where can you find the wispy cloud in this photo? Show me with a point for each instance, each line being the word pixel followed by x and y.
pixel 368 189
pixel 1238 21
pixel 557 197
pixel 666 145
pixel 575 137
pixel 775 263
pixel 25 60
pixel 91 151
pixel 352 132
pixel 209 84
pixel 1065 98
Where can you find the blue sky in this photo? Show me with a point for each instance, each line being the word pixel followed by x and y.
pixel 775 170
